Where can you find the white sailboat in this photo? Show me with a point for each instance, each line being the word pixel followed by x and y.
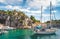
pixel 46 31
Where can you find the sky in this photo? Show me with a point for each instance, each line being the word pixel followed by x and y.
pixel 33 7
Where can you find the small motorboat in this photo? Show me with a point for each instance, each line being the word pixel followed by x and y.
pixel 8 28
pixel 0 32
pixel 4 31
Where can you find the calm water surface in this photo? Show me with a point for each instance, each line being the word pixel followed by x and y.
pixel 27 34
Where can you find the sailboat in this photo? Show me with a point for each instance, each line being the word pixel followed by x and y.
pixel 47 31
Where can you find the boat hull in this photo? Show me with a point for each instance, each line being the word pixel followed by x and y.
pixel 45 32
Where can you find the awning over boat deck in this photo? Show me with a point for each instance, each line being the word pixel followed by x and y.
pixel 38 27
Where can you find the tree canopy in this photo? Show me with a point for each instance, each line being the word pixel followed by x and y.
pixel 33 19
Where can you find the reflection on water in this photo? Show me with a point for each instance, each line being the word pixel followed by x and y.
pixel 54 36
pixel 43 36
pixel 27 34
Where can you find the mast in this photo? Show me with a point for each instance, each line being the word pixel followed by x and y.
pixel 50 13
pixel 41 15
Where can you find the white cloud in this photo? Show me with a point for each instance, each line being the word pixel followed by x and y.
pixel 8 7
pixel 46 15
pixel 16 7
pixel 2 1
pixel 12 7
pixel 29 11
pixel 19 0
pixel 22 9
pixel 25 10
pixel 12 2
pixel 44 3
pixel 54 11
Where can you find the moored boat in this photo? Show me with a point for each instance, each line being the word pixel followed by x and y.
pixel 48 30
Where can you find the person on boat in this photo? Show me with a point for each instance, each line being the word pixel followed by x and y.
pixel 43 29
pixel 49 27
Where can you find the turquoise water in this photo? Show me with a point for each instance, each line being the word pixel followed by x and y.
pixel 27 34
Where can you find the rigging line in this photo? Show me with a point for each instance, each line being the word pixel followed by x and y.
pixel 53 14
pixel 54 17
